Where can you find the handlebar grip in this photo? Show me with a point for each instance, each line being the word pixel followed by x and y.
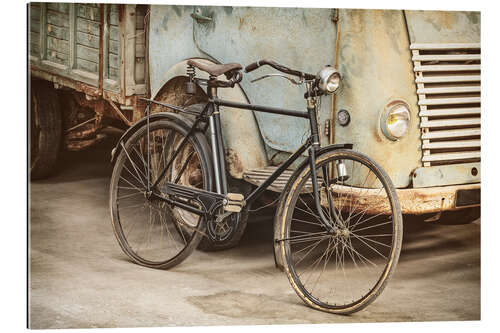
pixel 253 66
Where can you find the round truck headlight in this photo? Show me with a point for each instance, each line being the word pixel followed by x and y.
pixel 328 79
pixel 395 120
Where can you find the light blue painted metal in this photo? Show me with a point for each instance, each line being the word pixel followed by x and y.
pixel 374 59
pixel 296 37
pixel 171 42
pixel 300 38
pixel 426 26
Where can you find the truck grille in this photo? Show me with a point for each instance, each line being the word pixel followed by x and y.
pixel 448 79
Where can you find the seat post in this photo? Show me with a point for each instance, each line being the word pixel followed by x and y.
pixel 216 140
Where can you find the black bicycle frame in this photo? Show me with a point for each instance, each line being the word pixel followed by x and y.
pixel 214 125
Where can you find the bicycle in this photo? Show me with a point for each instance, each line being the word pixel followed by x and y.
pixel 169 189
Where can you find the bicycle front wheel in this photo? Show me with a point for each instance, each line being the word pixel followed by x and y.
pixel 150 231
pixel 345 270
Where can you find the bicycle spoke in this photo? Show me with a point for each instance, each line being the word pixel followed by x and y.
pixel 371 247
pixel 336 271
pixel 150 231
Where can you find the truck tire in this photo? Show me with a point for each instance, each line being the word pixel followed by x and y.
pixel 45 130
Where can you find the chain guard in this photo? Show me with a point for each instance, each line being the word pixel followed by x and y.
pixel 223 227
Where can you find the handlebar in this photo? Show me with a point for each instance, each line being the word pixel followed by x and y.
pixel 253 66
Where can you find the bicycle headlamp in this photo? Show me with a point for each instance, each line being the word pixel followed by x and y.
pixel 328 79
pixel 396 120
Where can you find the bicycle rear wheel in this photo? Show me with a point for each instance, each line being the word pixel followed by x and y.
pixel 150 231
pixel 343 271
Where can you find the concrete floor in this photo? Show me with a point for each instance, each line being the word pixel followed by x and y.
pixel 80 278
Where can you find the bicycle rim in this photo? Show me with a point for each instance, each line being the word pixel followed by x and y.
pixel 149 231
pixel 345 271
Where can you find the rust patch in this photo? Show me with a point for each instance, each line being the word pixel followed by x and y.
pixel 412 200
pixel 174 92
pixel 234 162
pixel 442 19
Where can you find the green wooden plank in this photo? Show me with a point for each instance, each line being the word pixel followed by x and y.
pixel 87 53
pixel 58 57
pixel 140 12
pixel 35 37
pixel 88 12
pixel 57 32
pixel 88 66
pixel 58 45
pixel 87 40
pixel 35 11
pixel 34 26
pixel 34 48
pixel 114 47
pixel 113 18
pixel 59 19
pixel 114 61
pixel 87 26
pixel 59 7
pixel 114 73
pixel 114 33
pixel 139 50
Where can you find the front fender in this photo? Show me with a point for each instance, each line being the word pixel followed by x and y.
pixel 177 118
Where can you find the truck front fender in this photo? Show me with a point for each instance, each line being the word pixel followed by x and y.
pixel 178 119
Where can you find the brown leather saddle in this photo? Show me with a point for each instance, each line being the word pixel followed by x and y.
pixel 215 69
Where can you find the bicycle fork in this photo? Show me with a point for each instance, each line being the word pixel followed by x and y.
pixel 313 149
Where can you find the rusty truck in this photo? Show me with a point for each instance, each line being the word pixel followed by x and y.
pixel 411 99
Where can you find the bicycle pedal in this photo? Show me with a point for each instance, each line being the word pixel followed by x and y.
pixel 234 202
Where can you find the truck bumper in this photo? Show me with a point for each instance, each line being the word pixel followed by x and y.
pixel 412 200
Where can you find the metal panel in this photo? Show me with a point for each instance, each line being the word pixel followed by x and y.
pixel 452 156
pixel 448 90
pixel 300 38
pixel 457 133
pixel 450 122
pixel 450 112
pixel 450 78
pixel 447 68
pixel 451 144
pixel 453 103
pixel 243 35
pixel 446 28
pixel 446 57
pixel 447 101
pixel 440 175
pixel 372 82
pixel 259 176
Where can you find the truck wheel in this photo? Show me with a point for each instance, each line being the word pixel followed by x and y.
pixel 45 126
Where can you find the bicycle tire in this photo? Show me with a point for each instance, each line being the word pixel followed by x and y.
pixel 291 262
pixel 169 217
